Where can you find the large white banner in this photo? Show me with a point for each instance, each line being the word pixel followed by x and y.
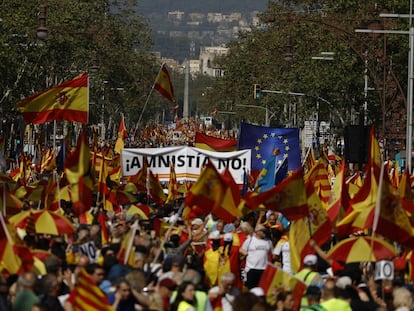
pixel 188 161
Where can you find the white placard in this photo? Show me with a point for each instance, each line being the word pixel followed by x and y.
pixel 89 249
pixel 384 270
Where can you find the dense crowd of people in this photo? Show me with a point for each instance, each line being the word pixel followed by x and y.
pixel 201 264
pixel 165 263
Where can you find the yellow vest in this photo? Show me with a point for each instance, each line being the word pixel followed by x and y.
pixel 184 306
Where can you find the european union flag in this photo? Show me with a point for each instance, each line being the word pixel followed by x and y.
pixel 273 173
pixel 264 140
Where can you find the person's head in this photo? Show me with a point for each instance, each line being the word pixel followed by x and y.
pixel 246 228
pixel 328 290
pixel 245 301
pixel 97 272
pixel 50 285
pixel 166 286
pixel 196 223
pixel 27 280
pixel 402 298
pixel 123 288
pixel 310 261
pixel 271 219
pixel 186 291
pixel 220 225
pixel 175 239
pixel 237 222
pixel 285 300
pixel 313 294
pixel 260 231
pixel 227 281
pixel 192 275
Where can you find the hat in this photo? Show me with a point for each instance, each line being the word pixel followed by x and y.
pixel 260 228
pixel 215 235
pixel 168 283
pixel 258 291
pixel 310 260
pixel 343 282
pixel 197 221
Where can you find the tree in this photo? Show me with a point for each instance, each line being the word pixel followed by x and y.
pixel 277 54
pixel 108 39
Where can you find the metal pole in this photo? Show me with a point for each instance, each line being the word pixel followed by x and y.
pixel 410 100
pixel 267 117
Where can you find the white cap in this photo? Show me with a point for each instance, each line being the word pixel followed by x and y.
pixel 197 221
pixel 343 282
pixel 310 260
pixel 258 291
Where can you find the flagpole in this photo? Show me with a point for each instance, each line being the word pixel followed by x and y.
pixel 131 241
pixel 148 97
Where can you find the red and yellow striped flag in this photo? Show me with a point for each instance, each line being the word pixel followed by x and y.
pixel 67 101
pixel 87 296
pixel 163 84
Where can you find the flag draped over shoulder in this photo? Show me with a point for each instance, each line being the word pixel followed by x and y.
pixel 122 135
pixel 163 84
pixel 262 140
pixel 212 143
pixel 274 278
pixel 64 102
pixel 87 295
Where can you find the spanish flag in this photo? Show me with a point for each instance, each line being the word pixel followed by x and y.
pixel 122 135
pixel 64 102
pixel 163 84
pixel 87 295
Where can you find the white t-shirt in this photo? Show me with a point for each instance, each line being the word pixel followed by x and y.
pixel 257 253
pixel 282 249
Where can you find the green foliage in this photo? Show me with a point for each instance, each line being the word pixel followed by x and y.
pixel 109 42
pixel 278 53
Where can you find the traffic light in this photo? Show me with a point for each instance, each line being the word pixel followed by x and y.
pixel 257 91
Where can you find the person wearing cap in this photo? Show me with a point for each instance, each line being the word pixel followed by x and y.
pixel 309 274
pixel 257 250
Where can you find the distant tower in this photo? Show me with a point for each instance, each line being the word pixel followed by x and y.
pixel 186 85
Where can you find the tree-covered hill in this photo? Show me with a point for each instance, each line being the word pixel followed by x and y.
pixel 202 6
